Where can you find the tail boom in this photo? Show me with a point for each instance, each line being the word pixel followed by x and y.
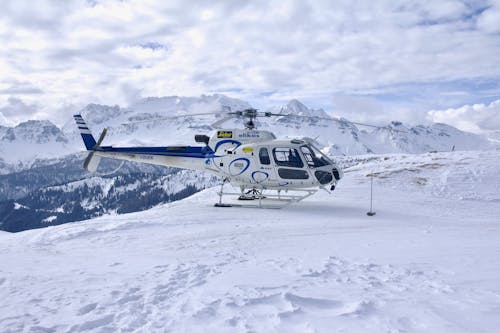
pixel 175 156
pixel 180 157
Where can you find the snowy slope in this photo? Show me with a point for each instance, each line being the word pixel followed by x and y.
pixel 427 262
pixel 418 139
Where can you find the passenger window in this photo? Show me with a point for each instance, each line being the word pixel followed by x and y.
pixel 264 156
pixel 287 157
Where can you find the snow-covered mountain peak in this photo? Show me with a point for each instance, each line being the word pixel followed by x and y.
pixel 98 114
pixel 298 108
pixel 30 140
pixel 34 131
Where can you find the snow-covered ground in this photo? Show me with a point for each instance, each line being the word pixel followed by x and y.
pixel 429 261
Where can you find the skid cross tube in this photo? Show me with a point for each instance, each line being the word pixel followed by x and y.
pixel 267 200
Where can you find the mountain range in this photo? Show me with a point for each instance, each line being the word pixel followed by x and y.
pixel 42 182
pixel 34 140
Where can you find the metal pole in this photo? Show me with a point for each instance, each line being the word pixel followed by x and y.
pixel 371 193
pixel 220 193
pixel 371 212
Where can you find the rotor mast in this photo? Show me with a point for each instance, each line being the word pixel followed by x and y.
pixel 249 116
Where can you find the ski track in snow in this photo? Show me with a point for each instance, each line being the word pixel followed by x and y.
pixel 429 261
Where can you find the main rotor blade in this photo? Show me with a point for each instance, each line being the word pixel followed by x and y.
pixel 335 119
pixel 375 126
pixel 187 115
pixel 221 121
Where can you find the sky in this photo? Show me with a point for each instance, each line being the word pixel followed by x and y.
pixel 369 61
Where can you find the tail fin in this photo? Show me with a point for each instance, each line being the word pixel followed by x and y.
pixel 91 162
pixel 88 138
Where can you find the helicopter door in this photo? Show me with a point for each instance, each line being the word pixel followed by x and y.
pixel 289 162
pixel 266 170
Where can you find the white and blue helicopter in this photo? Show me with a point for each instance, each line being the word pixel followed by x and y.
pixel 254 161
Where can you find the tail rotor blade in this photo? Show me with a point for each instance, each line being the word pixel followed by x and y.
pixel 101 138
pixel 90 164
pixel 87 160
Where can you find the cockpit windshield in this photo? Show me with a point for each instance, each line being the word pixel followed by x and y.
pixel 314 157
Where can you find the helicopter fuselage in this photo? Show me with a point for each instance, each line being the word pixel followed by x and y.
pixel 248 159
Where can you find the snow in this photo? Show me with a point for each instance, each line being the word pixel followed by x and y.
pixel 50 219
pixel 104 183
pixel 426 262
pixel 18 206
pixel 59 210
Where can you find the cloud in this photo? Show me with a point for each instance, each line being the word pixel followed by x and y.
pixel 477 118
pixel 20 88
pixel 488 21
pixel 16 109
pixel 78 51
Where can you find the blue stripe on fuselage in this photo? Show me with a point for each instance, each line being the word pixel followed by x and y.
pixel 221 142
pixel 188 151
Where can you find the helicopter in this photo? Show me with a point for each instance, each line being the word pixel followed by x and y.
pixel 254 161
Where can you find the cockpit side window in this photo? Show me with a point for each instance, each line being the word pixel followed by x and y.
pixel 288 157
pixel 314 158
pixel 264 156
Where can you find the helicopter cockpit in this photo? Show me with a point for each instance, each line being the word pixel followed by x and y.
pixel 299 160
pixel 325 170
pixel 314 157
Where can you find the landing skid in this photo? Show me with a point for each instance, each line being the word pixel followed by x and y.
pixel 222 205
pixel 256 198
